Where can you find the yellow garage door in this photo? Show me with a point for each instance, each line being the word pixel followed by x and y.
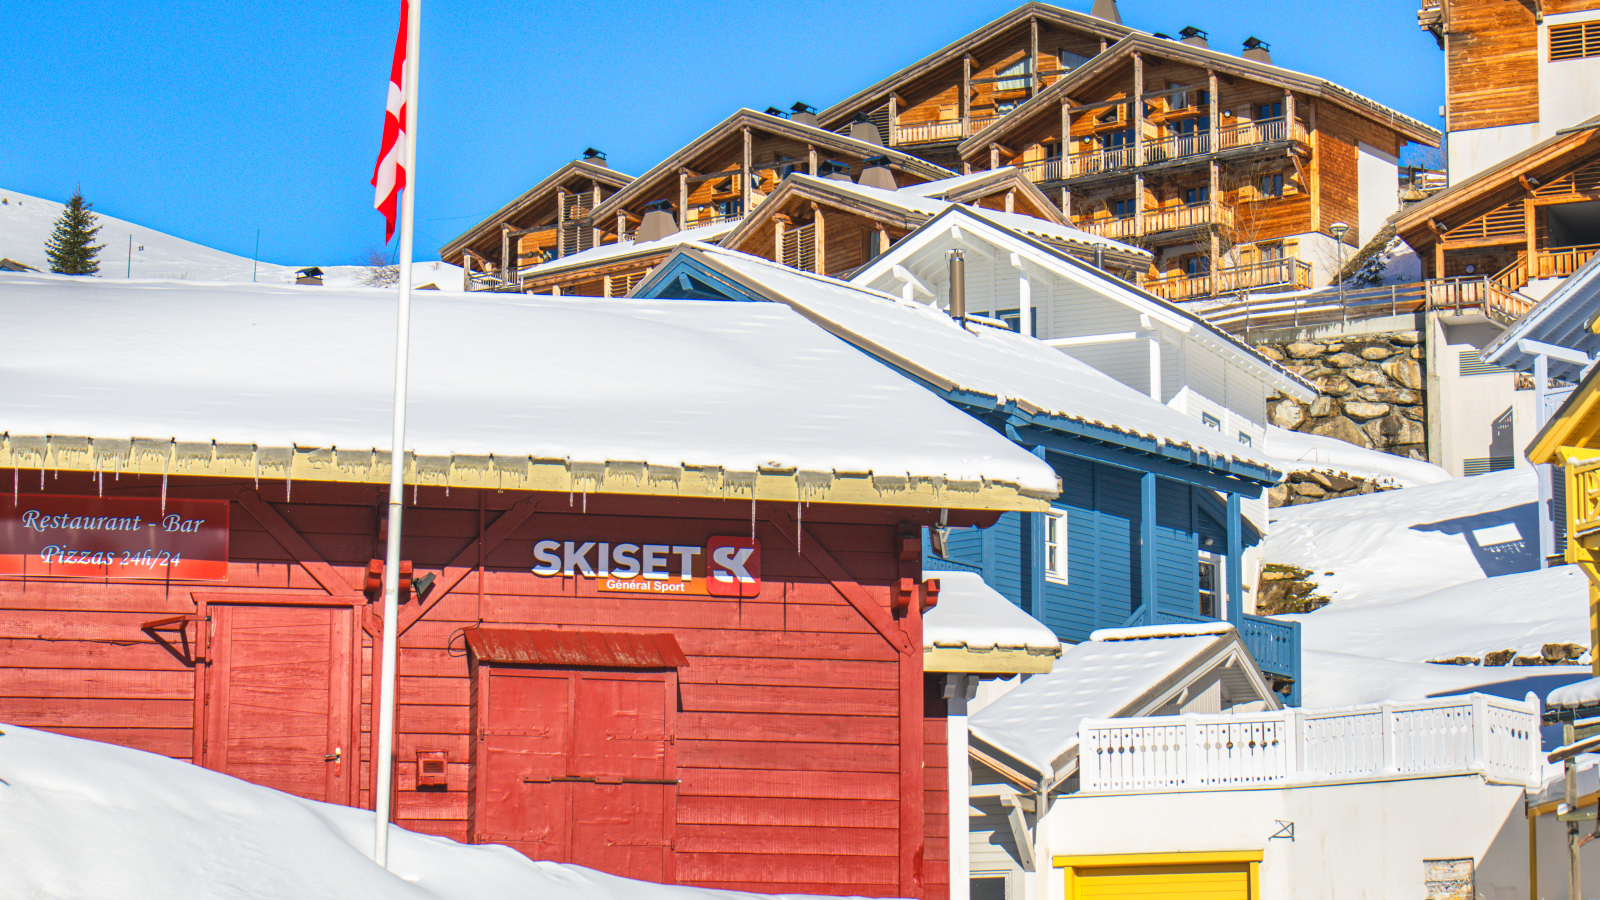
pixel 1220 875
pixel 1225 881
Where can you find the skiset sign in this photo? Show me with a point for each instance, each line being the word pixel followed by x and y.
pixel 723 567
pixel 114 537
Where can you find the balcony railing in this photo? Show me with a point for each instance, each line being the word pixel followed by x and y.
pixel 1474 734
pixel 938 132
pixel 1274 275
pixel 1273 643
pixel 1583 506
pixel 1475 294
pixel 1157 221
pixel 1176 146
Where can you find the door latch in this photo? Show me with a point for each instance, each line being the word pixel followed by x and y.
pixel 334 756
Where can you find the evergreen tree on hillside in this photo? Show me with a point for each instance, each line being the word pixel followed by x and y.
pixel 70 247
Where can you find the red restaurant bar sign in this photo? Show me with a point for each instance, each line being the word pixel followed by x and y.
pixel 113 537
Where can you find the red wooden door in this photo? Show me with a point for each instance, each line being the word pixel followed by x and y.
pixel 279 698
pixel 578 767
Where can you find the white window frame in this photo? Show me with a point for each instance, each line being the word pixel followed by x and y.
pixel 1055 546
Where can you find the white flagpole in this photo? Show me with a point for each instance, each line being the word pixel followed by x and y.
pixel 383 758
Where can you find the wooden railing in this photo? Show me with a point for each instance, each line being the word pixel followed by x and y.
pixel 1473 734
pixel 1273 643
pixel 1475 294
pixel 1272 275
pixel 1179 146
pixel 935 132
pixel 1562 261
pixel 1583 506
pixel 1156 221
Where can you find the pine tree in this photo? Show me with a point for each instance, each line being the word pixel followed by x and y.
pixel 70 248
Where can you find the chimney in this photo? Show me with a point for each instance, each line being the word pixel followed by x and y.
pixel 1100 257
pixel 834 171
pixel 1194 37
pixel 877 174
pixel 863 129
pixel 597 157
pixel 1106 9
pixel 658 222
pixel 1257 50
pixel 775 112
pixel 805 115
pixel 958 283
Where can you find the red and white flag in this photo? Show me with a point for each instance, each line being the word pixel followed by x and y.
pixel 390 176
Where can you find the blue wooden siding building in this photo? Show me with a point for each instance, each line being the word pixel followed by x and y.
pixel 1135 473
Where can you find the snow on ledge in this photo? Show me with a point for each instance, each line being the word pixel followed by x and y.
pixel 973 615
pixel 1176 629
pixel 1575 696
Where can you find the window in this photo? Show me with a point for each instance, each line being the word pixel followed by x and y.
pixel 1211 421
pixel 1122 209
pixel 729 209
pixel 1187 99
pixel 1070 60
pixel 1196 266
pixel 1055 546
pixel 1209 607
pixel 1111 114
pixel 1272 185
pixel 1574 41
pixel 1270 252
pixel 1013 320
pixel 1001 107
pixel 1015 77
pixel 1245 439
pixel 1197 196
pixel 1115 140
pixel 1269 110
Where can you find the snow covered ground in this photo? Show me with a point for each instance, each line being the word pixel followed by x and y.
pixel 25 223
pixel 82 819
pixel 1295 451
pixel 1427 572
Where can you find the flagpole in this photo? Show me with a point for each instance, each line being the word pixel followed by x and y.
pixel 383 758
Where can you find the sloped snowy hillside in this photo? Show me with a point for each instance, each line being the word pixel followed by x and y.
pixel 25 223
pixel 81 819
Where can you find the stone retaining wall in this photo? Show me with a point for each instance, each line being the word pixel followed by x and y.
pixel 1370 390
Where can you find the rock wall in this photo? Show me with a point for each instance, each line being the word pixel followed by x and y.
pixel 1309 487
pixel 1370 390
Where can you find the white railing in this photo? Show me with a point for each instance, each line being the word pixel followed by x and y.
pixel 1476 733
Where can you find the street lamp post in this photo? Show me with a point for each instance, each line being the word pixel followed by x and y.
pixel 1338 230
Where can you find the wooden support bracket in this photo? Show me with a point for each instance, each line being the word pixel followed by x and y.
pixel 815 553
pixel 460 567
pixel 302 551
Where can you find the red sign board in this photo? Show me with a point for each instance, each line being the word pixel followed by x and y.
pixel 724 567
pixel 113 537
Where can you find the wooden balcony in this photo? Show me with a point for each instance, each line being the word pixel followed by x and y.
pixel 939 132
pixel 1481 295
pixel 1556 263
pixel 1272 276
pixel 1176 221
pixel 1168 149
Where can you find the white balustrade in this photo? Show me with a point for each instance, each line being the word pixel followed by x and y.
pixel 1476 733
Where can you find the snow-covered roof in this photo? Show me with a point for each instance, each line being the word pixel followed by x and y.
pixel 976 361
pixel 1168 630
pixel 1037 722
pixel 515 391
pixel 946 186
pixel 1563 318
pixel 1582 694
pixel 979 623
pixel 88 819
pixel 623 249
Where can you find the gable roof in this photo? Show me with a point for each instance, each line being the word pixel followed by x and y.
pixel 1116 674
pixel 954 51
pixel 668 398
pixel 1563 318
pixel 823 140
pixel 1007 230
pixel 575 169
pixel 1483 190
pixel 621 252
pixel 978 366
pixel 1051 97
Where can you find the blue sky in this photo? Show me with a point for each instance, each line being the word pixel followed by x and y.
pixel 210 120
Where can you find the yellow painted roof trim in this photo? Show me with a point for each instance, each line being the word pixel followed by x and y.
pixel 1575 425
pixel 1198 857
pixel 158 456
pixel 996 661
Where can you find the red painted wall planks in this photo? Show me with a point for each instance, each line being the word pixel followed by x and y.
pixel 801 731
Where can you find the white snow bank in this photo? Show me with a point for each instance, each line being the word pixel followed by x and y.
pixel 1176 629
pixel 972 614
pixel 82 819
pixel 1573 696
pixel 1294 451
pixel 1520 612
pixel 25 223
pixel 1332 678
pixel 671 383
pixel 1405 543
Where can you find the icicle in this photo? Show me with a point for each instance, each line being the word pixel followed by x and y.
pixel 288 476
pixel 16 478
pixel 799 531
pixel 416 490
pixel 163 487
pixel 586 500
pixel 752 511
pixel 41 474
pixel 255 468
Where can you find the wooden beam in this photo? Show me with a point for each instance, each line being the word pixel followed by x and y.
pixel 1033 57
pixel 299 548
pixel 459 568
pixel 966 96
pixel 744 175
pixel 711 176
pixel 1138 114
pixel 826 565
pixel 820 236
pixel 811 160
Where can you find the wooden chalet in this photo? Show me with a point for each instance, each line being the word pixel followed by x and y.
pixel 710 184
pixel 675 637
pixel 1512 73
pixel 550 221
pixel 834 227
pixel 935 103
pixel 1502 237
pixel 1230 169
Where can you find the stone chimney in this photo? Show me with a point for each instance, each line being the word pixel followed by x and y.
pixel 1106 9
pixel 658 222
pixel 877 174
pixel 1257 50
pixel 864 129
pixel 1194 37
pixel 597 157
pixel 804 114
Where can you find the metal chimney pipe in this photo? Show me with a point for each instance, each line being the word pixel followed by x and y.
pixel 1100 257
pixel 958 284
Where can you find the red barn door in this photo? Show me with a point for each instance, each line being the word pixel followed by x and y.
pixel 577 766
pixel 278 702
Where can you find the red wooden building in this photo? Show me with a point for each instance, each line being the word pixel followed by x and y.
pixel 702 666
